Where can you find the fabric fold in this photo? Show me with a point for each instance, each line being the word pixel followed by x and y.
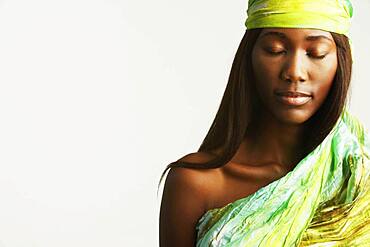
pixel 323 201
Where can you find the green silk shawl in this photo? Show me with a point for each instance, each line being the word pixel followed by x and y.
pixel 323 201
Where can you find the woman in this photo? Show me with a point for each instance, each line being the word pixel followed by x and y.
pixel 284 163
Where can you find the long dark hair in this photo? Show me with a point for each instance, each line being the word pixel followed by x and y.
pixel 239 104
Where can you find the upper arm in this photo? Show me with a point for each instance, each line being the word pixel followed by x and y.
pixel 181 207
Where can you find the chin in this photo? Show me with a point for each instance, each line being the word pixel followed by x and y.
pixel 293 116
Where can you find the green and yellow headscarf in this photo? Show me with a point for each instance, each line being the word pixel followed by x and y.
pixel 327 15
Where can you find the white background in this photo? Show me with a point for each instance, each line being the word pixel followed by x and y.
pixel 97 97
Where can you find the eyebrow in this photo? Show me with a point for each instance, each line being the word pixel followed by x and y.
pixel 308 38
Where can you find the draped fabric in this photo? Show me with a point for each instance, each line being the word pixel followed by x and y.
pixel 323 201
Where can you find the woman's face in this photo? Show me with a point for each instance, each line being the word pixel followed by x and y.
pixel 294 69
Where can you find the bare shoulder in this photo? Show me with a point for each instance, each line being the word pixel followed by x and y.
pixel 199 181
pixel 184 201
pixel 198 157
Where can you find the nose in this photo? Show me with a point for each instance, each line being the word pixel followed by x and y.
pixel 294 69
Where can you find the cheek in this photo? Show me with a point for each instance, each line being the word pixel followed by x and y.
pixel 324 78
pixel 264 67
pixel 265 73
pixel 321 91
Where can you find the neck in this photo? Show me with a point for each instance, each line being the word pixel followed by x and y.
pixel 269 141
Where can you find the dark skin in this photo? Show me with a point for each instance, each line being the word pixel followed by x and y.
pixel 302 60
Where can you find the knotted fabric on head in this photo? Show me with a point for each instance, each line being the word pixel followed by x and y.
pixel 327 15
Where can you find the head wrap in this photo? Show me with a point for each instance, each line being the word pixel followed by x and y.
pixel 327 15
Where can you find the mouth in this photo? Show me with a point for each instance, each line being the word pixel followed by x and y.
pixel 293 98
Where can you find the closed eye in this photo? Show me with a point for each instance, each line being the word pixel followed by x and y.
pixel 315 56
pixel 275 52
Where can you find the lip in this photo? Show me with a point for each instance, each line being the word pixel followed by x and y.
pixel 293 98
pixel 292 94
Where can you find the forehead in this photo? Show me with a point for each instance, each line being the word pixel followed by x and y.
pixel 296 34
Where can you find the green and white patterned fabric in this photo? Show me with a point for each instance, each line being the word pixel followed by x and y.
pixel 323 201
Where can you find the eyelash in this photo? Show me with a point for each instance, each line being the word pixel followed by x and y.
pixel 280 52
